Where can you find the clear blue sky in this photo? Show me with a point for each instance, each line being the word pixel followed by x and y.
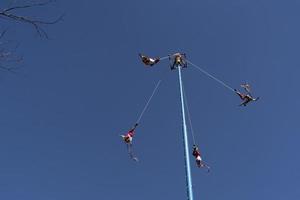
pixel 62 115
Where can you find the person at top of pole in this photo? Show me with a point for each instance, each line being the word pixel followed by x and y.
pixel 179 59
pixel 129 135
pixel 197 155
pixel 149 61
pixel 245 97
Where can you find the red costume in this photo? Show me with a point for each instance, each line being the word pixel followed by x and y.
pixel 129 135
pixel 196 153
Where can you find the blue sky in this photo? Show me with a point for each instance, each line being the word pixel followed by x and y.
pixel 62 114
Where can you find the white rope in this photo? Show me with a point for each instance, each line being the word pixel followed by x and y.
pixel 211 76
pixel 163 58
pixel 149 100
pixel 189 115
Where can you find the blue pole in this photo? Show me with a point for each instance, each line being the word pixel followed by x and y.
pixel 185 142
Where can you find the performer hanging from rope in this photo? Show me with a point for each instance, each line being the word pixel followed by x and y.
pixel 197 155
pixel 179 59
pixel 149 61
pixel 128 137
pixel 246 97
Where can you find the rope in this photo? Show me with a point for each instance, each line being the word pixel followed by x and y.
pixel 163 58
pixel 211 76
pixel 149 100
pixel 189 115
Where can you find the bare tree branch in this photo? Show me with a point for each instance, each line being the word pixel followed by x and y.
pixel 2 34
pixel 27 6
pixel 10 13
pixel 8 58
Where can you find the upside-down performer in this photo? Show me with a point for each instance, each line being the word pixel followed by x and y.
pixel 127 138
pixel 245 97
pixel 148 61
pixel 200 163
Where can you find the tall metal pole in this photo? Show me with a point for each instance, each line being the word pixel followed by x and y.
pixel 185 142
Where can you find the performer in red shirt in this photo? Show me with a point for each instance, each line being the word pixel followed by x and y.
pixel 197 155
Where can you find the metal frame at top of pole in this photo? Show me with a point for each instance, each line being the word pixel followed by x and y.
pixel 185 141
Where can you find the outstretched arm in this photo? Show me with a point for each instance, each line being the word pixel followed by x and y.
pixel 134 127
